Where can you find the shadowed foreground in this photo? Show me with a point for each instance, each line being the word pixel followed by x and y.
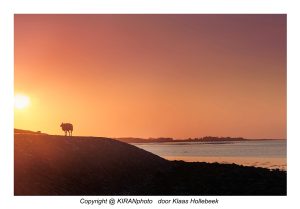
pixel 59 165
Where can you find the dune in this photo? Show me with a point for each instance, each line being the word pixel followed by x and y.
pixel 62 165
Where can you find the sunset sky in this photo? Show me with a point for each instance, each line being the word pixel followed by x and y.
pixel 152 75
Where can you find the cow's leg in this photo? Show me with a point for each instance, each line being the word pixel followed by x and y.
pixel 66 133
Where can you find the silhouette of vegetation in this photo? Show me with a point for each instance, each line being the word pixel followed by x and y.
pixel 163 139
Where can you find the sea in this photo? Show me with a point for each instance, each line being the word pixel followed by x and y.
pixel 270 154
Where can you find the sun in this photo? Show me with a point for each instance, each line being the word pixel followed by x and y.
pixel 21 101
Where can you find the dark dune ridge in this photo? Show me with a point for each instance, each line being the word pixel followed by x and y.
pixel 60 165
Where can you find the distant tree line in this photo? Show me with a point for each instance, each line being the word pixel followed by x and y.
pixel 215 138
pixel 167 139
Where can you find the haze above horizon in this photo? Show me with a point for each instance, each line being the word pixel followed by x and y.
pixel 180 76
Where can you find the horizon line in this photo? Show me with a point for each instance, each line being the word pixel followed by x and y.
pixel 161 137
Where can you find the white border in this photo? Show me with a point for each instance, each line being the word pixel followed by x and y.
pixel 9 7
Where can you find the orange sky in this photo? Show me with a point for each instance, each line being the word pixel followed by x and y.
pixel 153 75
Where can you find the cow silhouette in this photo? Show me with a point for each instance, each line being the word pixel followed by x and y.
pixel 67 128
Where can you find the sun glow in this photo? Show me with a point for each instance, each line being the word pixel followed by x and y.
pixel 21 101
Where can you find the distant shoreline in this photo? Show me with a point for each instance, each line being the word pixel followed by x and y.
pixel 204 139
pixel 163 139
